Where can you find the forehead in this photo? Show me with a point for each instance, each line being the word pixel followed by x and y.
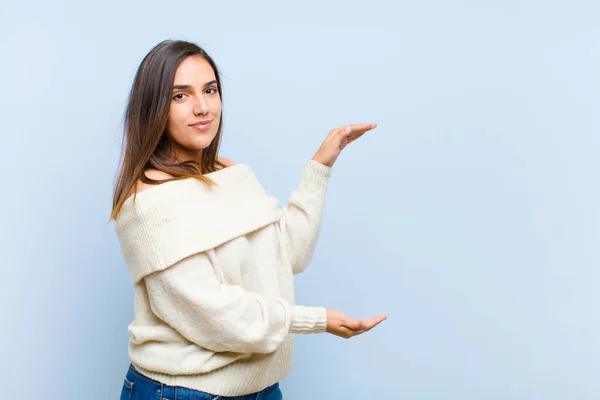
pixel 194 70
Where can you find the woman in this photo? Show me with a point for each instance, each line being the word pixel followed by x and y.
pixel 211 255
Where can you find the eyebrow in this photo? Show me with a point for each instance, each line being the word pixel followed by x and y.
pixel 187 87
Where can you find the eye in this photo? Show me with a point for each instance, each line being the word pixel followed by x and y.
pixel 179 98
pixel 211 90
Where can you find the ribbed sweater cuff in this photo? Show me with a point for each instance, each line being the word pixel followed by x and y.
pixel 315 178
pixel 308 319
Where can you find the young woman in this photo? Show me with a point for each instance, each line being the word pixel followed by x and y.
pixel 211 255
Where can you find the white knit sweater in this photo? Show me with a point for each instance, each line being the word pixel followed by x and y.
pixel 212 269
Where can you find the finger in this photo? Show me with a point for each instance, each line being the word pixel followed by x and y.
pixel 370 323
pixel 353 129
pixel 379 319
pixel 354 137
pixel 360 129
pixel 353 325
pixel 346 333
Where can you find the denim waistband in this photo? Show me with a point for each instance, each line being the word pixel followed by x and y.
pixel 147 387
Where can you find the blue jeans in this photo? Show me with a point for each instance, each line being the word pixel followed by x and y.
pixel 140 387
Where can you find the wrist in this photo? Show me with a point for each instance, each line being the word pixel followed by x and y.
pixel 317 159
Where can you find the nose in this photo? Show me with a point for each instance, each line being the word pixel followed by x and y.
pixel 200 106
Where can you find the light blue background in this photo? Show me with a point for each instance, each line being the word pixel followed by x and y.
pixel 469 216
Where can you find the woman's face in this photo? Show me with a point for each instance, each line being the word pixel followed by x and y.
pixel 195 109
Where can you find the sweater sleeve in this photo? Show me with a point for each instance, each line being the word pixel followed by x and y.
pixel 189 297
pixel 302 216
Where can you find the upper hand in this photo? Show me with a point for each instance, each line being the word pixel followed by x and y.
pixel 337 140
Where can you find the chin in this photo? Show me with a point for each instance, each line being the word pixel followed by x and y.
pixel 201 144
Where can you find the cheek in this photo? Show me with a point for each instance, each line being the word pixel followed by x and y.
pixel 176 117
pixel 216 106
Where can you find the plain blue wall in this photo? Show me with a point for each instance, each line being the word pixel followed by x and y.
pixel 470 216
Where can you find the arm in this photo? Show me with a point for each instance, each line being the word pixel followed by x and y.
pixel 189 297
pixel 301 218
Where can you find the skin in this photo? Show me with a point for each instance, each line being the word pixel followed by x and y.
pixel 200 100
pixel 338 323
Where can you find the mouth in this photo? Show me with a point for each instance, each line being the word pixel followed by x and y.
pixel 201 125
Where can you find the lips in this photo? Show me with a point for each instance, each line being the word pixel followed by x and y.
pixel 201 125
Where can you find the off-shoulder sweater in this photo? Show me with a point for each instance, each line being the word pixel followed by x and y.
pixel 212 268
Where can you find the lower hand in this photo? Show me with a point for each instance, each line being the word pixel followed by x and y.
pixel 340 324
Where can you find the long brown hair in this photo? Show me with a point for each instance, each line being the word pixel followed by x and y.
pixel 145 143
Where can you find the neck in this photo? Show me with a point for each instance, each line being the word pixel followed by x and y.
pixel 182 155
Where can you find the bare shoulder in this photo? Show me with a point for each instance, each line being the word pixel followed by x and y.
pixel 157 175
pixel 225 161
pixel 153 174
